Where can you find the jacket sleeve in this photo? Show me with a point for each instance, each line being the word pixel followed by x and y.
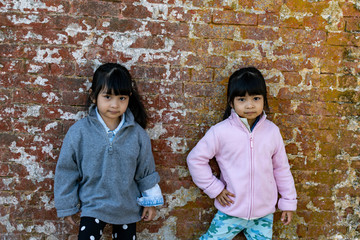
pixel 66 180
pixel 146 176
pixel 200 170
pixel 283 177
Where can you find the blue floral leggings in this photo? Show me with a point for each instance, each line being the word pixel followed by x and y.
pixel 92 229
pixel 225 227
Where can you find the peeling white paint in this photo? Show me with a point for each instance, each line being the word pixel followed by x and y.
pixel 30 6
pixel 51 126
pixel 49 150
pixel 32 111
pixel 34 68
pixel 286 13
pixel 38 81
pixel 26 20
pixel 182 196
pixel 8 200
pixel 47 228
pixel 333 15
pixel 312 183
pixel 36 172
pixel 181 171
pixel 353 125
pixel 50 97
pixel 72 116
pixel 311 207
pixel 156 131
pixel 5 221
pixel 46 56
pixel 166 232
pixel 177 144
pixel 31 129
pixel 49 205
pixel 31 35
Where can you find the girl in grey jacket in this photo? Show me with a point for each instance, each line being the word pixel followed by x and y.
pixel 106 168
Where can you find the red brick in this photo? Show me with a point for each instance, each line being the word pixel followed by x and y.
pixel 256 33
pixel 203 75
pixel 231 17
pixel 310 72
pixel 268 19
pixel 198 15
pixel 214 31
pixel 349 9
pixel 136 12
pixel 315 22
pixel 97 8
pixel 352 24
pixel 168 29
pixel 343 38
pixel 149 43
pixel 291 22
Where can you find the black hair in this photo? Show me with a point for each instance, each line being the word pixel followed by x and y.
pixel 117 80
pixel 245 80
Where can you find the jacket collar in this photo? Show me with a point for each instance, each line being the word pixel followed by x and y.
pixel 237 121
pixel 129 120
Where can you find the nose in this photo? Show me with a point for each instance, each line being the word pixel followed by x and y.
pixel 114 103
pixel 249 104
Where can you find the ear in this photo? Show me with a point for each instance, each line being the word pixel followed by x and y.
pixel 231 105
pixel 92 96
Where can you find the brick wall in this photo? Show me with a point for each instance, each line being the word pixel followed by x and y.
pixel 181 54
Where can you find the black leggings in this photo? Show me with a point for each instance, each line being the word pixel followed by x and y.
pixel 92 229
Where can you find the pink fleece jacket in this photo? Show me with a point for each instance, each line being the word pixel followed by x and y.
pixel 253 165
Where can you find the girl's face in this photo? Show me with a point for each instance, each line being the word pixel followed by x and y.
pixel 111 107
pixel 249 107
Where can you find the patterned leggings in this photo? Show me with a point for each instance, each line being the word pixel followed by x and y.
pixel 225 227
pixel 92 229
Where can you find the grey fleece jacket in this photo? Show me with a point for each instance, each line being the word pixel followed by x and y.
pixel 103 179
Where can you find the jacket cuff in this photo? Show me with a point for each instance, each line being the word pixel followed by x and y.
pixel 150 201
pixel 287 205
pixel 215 188
pixel 148 181
pixel 67 212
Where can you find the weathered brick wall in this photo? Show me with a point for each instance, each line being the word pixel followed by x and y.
pixel 181 52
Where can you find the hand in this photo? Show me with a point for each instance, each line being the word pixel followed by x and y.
pixel 70 220
pixel 286 217
pixel 149 213
pixel 224 198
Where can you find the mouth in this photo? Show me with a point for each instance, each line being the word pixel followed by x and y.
pixel 114 112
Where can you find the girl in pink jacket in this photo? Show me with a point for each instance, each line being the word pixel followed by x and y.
pixel 254 167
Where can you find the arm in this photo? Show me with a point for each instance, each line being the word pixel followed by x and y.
pixel 146 176
pixel 150 198
pixel 200 170
pixel 66 181
pixel 284 178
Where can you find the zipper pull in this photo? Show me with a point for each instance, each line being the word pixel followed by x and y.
pixel 251 141
pixel 110 148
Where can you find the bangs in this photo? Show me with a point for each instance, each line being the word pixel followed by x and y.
pixel 240 88
pixel 246 83
pixel 115 82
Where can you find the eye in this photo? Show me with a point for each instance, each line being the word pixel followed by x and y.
pixel 257 98
pixel 107 96
pixel 123 98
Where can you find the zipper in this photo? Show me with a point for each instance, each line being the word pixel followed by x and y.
pixel 251 175
pixel 110 148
